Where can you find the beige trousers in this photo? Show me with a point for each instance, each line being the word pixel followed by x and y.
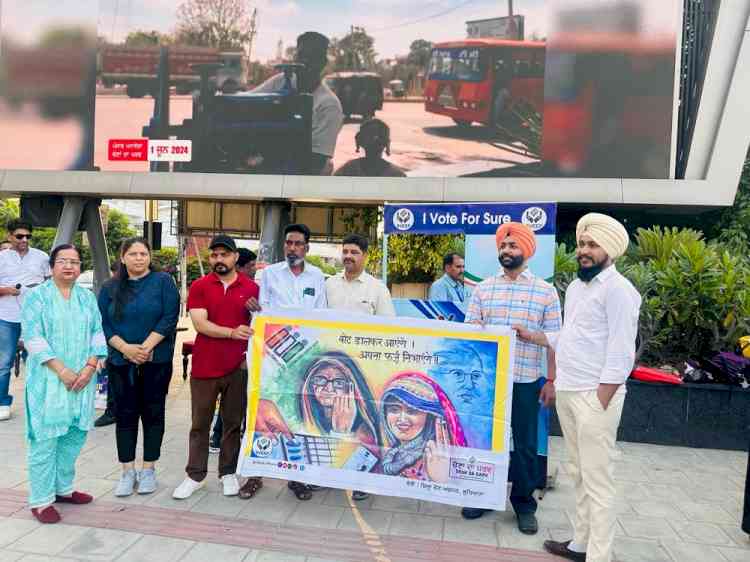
pixel 590 433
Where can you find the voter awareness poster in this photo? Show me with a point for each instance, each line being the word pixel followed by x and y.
pixel 392 406
pixel 478 222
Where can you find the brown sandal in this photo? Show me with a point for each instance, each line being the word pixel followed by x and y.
pixel 250 488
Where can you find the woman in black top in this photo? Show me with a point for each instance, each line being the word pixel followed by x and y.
pixel 139 316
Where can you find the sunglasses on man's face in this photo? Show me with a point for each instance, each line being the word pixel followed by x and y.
pixel 22 236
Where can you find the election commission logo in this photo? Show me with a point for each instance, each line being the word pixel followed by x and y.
pixel 263 447
pixel 403 219
pixel 534 217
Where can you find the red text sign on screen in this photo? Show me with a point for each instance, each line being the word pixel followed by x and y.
pixel 128 150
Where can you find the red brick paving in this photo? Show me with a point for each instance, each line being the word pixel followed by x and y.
pixel 325 543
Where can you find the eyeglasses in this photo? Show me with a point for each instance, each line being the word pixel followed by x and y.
pixel 22 236
pixel 62 261
pixel 465 377
pixel 338 384
pixel 295 243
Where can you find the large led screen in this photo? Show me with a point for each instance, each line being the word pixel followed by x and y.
pixel 426 88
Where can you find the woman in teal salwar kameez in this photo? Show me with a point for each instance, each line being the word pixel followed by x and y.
pixel 62 331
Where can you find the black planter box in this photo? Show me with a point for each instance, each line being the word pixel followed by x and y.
pixel 713 416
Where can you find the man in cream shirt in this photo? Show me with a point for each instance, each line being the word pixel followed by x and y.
pixel 354 289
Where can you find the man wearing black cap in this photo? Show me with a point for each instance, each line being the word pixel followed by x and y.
pixel 328 117
pixel 246 265
pixel 217 308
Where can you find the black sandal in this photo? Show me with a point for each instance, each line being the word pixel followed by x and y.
pixel 302 491
pixel 250 488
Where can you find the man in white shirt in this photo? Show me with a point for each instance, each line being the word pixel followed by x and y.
pixel 328 116
pixel 354 289
pixel 21 268
pixel 292 283
pixel 595 352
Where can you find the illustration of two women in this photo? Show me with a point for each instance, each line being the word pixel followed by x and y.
pixel 409 431
pixel 417 418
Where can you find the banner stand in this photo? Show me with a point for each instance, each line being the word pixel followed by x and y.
pixel 478 223
pixel 384 265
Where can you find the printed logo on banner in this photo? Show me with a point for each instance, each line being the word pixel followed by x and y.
pixel 535 218
pixel 403 219
pixel 478 471
pixel 263 446
pixel 290 466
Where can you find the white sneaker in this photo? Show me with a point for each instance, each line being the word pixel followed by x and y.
pixel 4 413
pixel 187 488
pixel 231 485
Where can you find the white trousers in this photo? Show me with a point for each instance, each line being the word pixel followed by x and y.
pixel 590 433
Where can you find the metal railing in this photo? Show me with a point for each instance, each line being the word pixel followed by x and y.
pixel 698 21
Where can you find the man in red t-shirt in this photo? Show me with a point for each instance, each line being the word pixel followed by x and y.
pixel 217 305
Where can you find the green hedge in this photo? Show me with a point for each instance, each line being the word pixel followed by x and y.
pixel 696 294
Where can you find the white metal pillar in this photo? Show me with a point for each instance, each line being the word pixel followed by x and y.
pixel 717 150
pixel 275 220
pixel 70 218
pixel 97 241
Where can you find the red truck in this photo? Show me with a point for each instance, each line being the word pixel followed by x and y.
pixel 136 68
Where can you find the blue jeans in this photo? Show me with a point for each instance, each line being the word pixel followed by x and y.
pixel 9 334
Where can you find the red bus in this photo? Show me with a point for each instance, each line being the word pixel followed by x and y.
pixel 477 80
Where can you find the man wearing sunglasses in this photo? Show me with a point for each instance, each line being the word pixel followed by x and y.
pixel 21 268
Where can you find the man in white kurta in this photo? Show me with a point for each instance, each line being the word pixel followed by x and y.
pixel 595 352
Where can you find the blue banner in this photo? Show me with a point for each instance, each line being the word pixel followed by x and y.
pixel 467 218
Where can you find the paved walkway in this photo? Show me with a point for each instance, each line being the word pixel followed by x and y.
pixel 676 505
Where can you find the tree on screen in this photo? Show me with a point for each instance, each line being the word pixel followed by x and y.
pixel 354 51
pixel 151 38
pixel 222 24
pixel 419 53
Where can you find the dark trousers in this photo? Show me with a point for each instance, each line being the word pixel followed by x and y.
pixel 111 408
pixel 524 465
pixel 746 512
pixel 233 391
pixel 140 392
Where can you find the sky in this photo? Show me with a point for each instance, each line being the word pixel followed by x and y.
pixel 393 23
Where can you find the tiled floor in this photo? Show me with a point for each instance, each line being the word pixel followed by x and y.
pixel 675 505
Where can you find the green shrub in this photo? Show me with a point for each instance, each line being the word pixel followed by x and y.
pixel 696 294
